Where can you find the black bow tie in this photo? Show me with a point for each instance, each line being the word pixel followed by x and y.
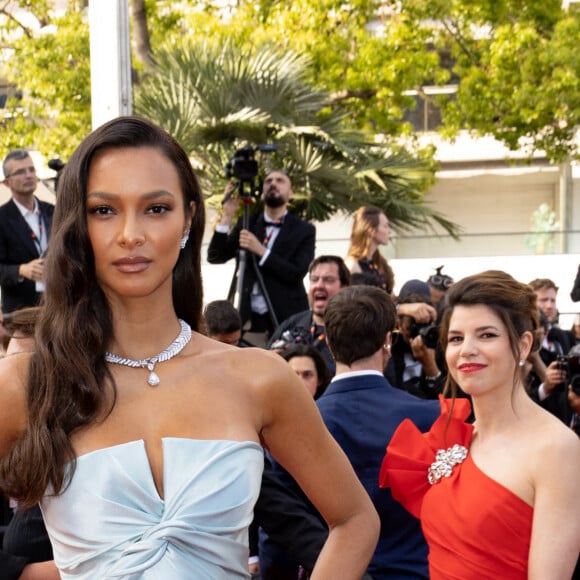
pixel 276 224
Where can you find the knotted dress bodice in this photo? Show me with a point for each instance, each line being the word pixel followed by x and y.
pixel 112 523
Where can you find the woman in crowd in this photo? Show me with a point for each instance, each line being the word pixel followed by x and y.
pixel 309 365
pixel 140 437
pixel 499 498
pixel 370 230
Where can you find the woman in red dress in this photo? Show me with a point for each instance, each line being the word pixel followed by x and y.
pixel 499 498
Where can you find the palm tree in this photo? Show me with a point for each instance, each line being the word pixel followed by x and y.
pixel 216 100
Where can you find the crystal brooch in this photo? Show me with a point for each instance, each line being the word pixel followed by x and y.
pixel 445 460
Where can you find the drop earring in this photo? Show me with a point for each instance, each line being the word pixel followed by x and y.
pixel 184 241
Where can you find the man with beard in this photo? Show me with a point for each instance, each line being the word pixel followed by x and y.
pixel 279 246
pixel 328 275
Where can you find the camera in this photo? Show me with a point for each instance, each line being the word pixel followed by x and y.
pixel 570 364
pixel 56 165
pixel 292 337
pixel 243 165
pixel 428 332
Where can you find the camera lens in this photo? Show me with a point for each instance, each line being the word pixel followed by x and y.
pixel 430 335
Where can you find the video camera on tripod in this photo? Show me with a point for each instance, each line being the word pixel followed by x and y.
pixel 244 167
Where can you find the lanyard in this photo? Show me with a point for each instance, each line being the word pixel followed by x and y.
pixel 38 239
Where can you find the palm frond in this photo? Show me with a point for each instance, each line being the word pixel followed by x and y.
pixel 216 99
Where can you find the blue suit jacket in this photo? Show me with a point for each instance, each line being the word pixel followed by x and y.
pixel 362 412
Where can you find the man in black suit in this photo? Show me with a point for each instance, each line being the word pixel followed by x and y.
pixel 547 382
pixel 25 224
pixel 279 247
pixel 557 341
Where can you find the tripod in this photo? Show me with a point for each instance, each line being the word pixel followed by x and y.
pixel 238 279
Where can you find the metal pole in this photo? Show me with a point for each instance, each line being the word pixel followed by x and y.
pixel 111 94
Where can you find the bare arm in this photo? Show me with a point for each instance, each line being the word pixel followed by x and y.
pixel 323 471
pixel 421 312
pixel 13 413
pixel 40 571
pixel 556 527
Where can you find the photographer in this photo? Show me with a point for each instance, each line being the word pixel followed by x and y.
pixel 416 365
pixel 547 377
pixel 280 246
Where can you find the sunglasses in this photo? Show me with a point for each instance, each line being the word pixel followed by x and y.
pixel 438 281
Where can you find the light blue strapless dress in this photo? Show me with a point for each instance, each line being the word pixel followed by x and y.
pixel 111 522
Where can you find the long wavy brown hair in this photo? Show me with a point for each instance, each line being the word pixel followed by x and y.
pixel 69 384
pixel 366 219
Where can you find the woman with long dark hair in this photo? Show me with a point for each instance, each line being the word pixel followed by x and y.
pixel 140 437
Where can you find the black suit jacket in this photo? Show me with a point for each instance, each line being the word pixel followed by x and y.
pixel 17 247
pixel 25 542
pixel 283 271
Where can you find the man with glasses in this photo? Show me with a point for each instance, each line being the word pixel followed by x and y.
pixel 327 275
pixel 25 224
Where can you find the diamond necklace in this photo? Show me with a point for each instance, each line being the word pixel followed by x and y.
pixel 149 363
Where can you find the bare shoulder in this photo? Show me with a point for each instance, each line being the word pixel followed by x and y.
pixel 255 364
pixel 555 445
pixel 249 365
pixel 353 265
pixel 13 405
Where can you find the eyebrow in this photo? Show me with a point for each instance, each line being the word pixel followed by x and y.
pixel 114 196
pixel 478 329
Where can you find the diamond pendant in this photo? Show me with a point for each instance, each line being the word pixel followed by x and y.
pixel 153 379
pixel 149 363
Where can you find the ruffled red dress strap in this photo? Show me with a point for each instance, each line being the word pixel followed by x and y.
pixel 411 453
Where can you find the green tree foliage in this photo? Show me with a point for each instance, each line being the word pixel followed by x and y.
pixel 518 68
pixel 367 72
pixel 50 65
pixel 515 62
pixel 216 99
